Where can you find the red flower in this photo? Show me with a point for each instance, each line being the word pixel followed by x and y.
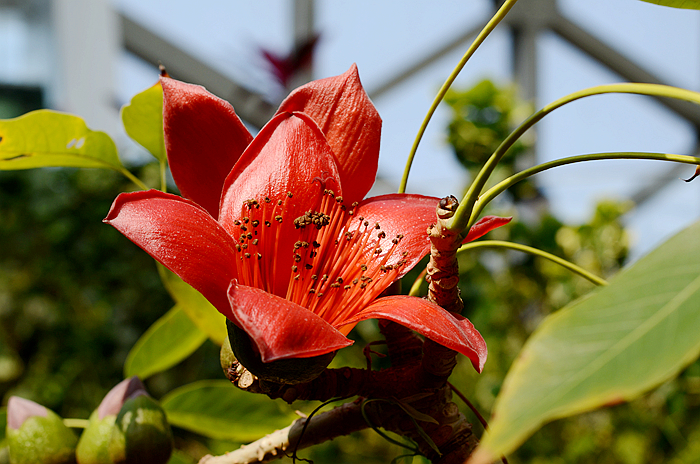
pixel 273 231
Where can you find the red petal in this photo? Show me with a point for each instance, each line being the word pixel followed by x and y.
pixel 279 328
pixel 428 319
pixel 289 155
pixel 485 225
pixel 182 236
pixel 203 138
pixel 406 214
pixel 350 122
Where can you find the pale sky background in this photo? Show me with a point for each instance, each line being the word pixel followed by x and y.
pixel 385 36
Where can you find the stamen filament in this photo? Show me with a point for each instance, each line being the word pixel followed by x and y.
pixel 338 266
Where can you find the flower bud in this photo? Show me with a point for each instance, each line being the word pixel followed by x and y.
pixel 36 434
pixel 110 436
pixel 92 447
pixel 94 442
pixel 141 433
pixel 284 371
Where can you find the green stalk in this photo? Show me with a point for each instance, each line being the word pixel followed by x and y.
pixel 415 288
pixel 132 178
pixel 76 423
pixel 499 188
pixel 490 26
pixel 163 181
pixel 534 251
pixel 464 216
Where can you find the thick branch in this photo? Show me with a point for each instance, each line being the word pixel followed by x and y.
pixel 443 275
pixel 443 271
pixel 324 426
pixel 338 383
pixel 456 441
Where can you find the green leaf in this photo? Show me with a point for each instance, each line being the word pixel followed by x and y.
pixel 45 138
pixel 217 409
pixel 611 346
pixel 688 4
pixel 168 341
pixel 143 120
pixel 200 311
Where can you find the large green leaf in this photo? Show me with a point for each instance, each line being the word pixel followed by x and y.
pixel 143 120
pixel 217 409
pixel 200 311
pixel 168 341
pixel 612 346
pixel 689 4
pixel 47 138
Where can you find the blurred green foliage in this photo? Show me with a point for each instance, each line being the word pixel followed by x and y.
pixel 74 294
pixel 18 99
pixel 507 294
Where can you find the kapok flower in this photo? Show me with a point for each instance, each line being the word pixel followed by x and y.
pixel 274 232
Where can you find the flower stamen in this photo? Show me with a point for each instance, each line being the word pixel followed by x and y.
pixel 340 261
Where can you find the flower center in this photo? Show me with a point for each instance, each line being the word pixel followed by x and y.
pixel 341 261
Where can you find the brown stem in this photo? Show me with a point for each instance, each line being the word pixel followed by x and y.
pixel 438 361
pixel 443 271
pixel 443 290
pixel 339 383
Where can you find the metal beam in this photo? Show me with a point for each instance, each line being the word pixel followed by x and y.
pixel 526 20
pixel 153 49
pixel 304 31
pixel 620 64
pixel 424 62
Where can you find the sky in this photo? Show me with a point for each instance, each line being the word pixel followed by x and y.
pixel 383 37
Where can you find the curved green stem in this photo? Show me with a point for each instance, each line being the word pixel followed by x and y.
pixel 76 423
pixel 490 26
pixel 534 251
pixel 163 180
pixel 132 178
pixel 464 216
pixel 499 188
pixel 415 289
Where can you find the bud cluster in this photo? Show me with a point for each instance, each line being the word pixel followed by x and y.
pixel 128 427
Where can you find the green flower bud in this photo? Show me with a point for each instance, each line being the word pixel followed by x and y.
pixel 141 433
pixel 128 427
pixel 283 371
pixel 93 447
pixel 37 435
